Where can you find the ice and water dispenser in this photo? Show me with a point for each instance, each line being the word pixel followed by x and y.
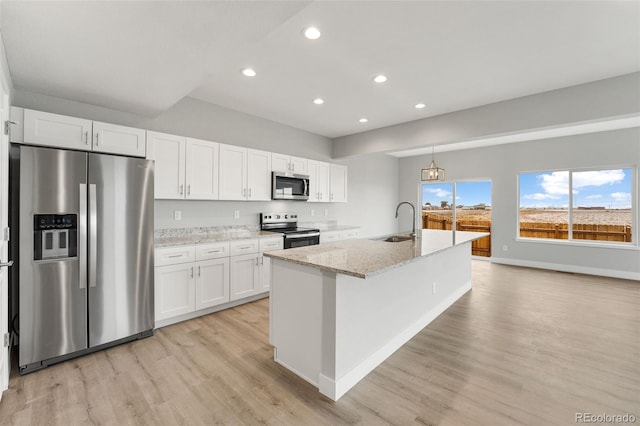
pixel 55 236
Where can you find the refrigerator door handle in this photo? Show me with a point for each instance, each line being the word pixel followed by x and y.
pixel 82 236
pixel 93 235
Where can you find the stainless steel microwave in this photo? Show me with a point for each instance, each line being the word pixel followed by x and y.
pixel 289 186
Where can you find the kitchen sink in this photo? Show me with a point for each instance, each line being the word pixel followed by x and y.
pixel 395 238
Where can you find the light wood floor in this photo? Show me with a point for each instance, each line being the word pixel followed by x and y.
pixel 523 347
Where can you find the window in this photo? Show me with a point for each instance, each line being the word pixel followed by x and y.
pixel 472 207
pixel 595 205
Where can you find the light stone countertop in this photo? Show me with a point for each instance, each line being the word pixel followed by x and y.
pixel 188 236
pixel 364 258
pixel 327 226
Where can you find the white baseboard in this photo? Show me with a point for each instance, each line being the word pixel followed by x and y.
pixel 207 311
pixel 334 389
pixel 612 273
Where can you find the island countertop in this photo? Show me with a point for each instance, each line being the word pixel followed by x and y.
pixel 364 258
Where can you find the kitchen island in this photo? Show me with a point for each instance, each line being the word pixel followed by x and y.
pixel 338 310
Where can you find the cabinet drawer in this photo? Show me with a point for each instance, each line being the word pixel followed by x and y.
pixel 212 251
pixel 175 255
pixel 243 247
pixel 268 244
pixel 327 237
pixel 352 233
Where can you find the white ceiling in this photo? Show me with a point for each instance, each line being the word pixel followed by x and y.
pixel 143 57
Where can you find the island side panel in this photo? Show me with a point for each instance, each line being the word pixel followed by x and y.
pixel 296 318
pixel 376 316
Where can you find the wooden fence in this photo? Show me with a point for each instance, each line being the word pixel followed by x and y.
pixel 560 231
pixel 581 231
pixel 481 247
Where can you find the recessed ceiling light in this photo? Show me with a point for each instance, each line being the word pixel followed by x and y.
pixel 312 33
pixel 318 101
pixel 420 105
pixel 249 72
pixel 363 120
pixel 380 78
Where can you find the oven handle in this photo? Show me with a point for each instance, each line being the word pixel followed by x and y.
pixel 315 234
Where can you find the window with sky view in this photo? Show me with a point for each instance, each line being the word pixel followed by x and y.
pixel 600 208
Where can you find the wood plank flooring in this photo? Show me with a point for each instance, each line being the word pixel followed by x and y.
pixel 525 346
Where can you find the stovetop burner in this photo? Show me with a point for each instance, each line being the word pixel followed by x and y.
pixel 286 223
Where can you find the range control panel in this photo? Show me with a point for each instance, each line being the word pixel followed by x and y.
pixel 55 236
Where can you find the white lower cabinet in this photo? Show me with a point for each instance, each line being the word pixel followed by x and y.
pixel 331 236
pixel 245 275
pixel 174 290
pixel 212 283
pixel 189 279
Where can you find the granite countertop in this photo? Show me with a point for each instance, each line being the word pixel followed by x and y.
pixel 187 236
pixel 364 258
pixel 338 228
pixel 327 226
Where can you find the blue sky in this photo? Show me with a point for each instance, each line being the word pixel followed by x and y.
pixel 608 188
pixel 467 193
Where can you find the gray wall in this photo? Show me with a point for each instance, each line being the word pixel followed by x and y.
pixel 501 164
pixel 372 180
pixel 590 102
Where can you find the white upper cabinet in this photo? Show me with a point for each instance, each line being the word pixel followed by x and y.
pixel 233 172
pixel 245 174
pixel 60 131
pixel 337 183
pixel 258 175
pixel 201 170
pixel 114 139
pixel 299 165
pixel 280 163
pixel 168 151
pixel 288 164
pixel 318 181
pixel 186 168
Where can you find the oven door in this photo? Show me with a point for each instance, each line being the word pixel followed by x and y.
pixel 290 187
pixel 301 240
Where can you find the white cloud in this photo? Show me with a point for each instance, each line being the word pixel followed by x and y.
pixel 439 192
pixel 593 197
pixel 556 183
pixel 597 178
pixel 540 196
pixel 621 196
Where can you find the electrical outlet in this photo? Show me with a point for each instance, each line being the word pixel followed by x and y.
pixel 236 214
pixel 505 247
pixel 313 213
pixel 433 288
pixel 177 215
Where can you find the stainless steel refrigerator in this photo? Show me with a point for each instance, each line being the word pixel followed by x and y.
pixel 84 249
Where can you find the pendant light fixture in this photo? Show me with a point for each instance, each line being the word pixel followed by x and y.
pixel 433 172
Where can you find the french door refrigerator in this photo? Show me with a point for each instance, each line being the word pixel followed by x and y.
pixel 85 252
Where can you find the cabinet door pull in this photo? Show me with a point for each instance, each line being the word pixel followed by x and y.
pixel 174 255
pixel 86 138
pixel 189 189
pixel 214 251
pixel 181 189
pixel 244 247
pixel 249 192
pixel 192 272
pixel 198 271
pixel 97 138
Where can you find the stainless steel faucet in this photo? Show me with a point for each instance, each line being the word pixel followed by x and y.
pixel 413 233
